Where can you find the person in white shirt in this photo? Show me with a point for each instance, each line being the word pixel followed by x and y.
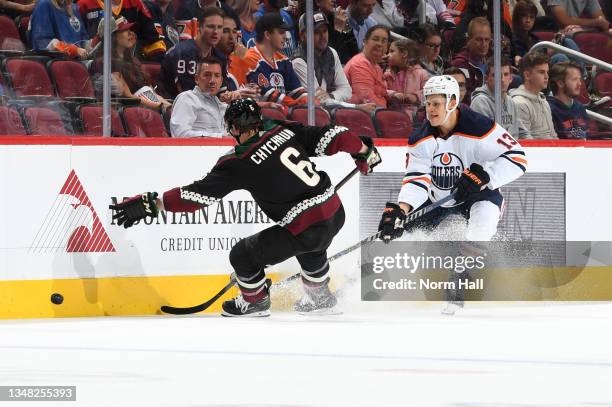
pixel 332 86
pixel 199 112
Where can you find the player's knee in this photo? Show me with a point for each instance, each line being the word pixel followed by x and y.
pixel 482 226
pixel 239 256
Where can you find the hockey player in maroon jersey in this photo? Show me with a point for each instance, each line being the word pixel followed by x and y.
pixel 271 161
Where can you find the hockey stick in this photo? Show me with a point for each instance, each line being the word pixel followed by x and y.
pixel 201 307
pixel 412 217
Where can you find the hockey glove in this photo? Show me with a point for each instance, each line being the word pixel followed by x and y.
pixel 391 225
pixel 133 209
pixel 365 162
pixel 472 181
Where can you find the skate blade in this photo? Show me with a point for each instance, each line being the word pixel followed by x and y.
pixel 252 315
pixel 322 311
pixel 451 309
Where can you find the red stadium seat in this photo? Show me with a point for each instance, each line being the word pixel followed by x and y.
pixel 603 86
pixel 300 114
pixel 584 93
pixel 9 36
pixel 545 35
pixel 151 70
pixel 143 122
pixel 28 77
pixel 91 119
pixel 597 45
pixel 392 124
pixel 43 121
pixel 274 114
pixel 10 122
pixel 71 79
pixel 356 120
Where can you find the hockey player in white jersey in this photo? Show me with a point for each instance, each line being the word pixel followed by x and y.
pixel 456 150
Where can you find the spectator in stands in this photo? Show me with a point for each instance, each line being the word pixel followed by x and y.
pixel 58 26
pixel 151 42
pixel 179 65
pixel 331 82
pixel 364 72
pixel 14 9
pixel 129 80
pixel 234 49
pixel 341 36
pixel 569 116
pixel 523 38
pixel 431 41
pixel 386 13
pixel 190 16
pixel 163 18
pixel 274 6
pixel 533 109
pixel 265 66
pixel 461 79
pixel 484 9
pixel 483 99
pixel 405 78
pixel 540 12
pixel 246 10
pixel 473 58
pixel 569 12
pixel 360 19
pixel 199 112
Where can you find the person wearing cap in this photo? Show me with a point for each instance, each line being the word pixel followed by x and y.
pixel 58 26
pixel 331 82
pixel 151 44
pixel 274 6
pixel 128 78
pixel 265 65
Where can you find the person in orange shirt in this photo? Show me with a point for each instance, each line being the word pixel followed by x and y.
pixel 364 72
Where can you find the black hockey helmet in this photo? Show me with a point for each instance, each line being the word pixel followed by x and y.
pixel 243 115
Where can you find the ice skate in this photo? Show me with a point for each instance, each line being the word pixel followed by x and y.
pixel 317 301
pixel 238 307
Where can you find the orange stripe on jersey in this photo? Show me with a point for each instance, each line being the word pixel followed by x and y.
pixel 420 141
pixel 519 160
pixel 416 179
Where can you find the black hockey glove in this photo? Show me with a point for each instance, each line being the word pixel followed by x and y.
pixel 133 209
pixel 472 181
pixel 367 161
pixel 391 224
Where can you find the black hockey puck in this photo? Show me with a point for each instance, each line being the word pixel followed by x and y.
pixel 57 298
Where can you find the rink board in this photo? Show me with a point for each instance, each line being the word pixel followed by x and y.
pixel 57 234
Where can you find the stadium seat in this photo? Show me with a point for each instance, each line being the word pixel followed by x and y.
pixel 300 114
pixel 143 122
pixel 10 122
pixel 152 72
pixel 603 86
pixel 274 114
pixel 594 44
pixel 71 79
pixel 356 120
pixel 28 77
pixel 91 120
pixel 392 124
pixel 43 121
pixel 9 36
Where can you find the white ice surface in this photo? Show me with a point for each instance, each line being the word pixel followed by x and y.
pixel 376 354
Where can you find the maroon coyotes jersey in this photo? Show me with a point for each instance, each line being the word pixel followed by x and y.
pixel 275 168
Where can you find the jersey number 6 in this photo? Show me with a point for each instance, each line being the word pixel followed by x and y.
pixel 310 178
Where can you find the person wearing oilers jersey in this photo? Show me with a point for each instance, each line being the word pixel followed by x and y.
pixel 456 150
pixel 271 161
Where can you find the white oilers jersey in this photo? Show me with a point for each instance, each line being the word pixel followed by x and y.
pixel 434 164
